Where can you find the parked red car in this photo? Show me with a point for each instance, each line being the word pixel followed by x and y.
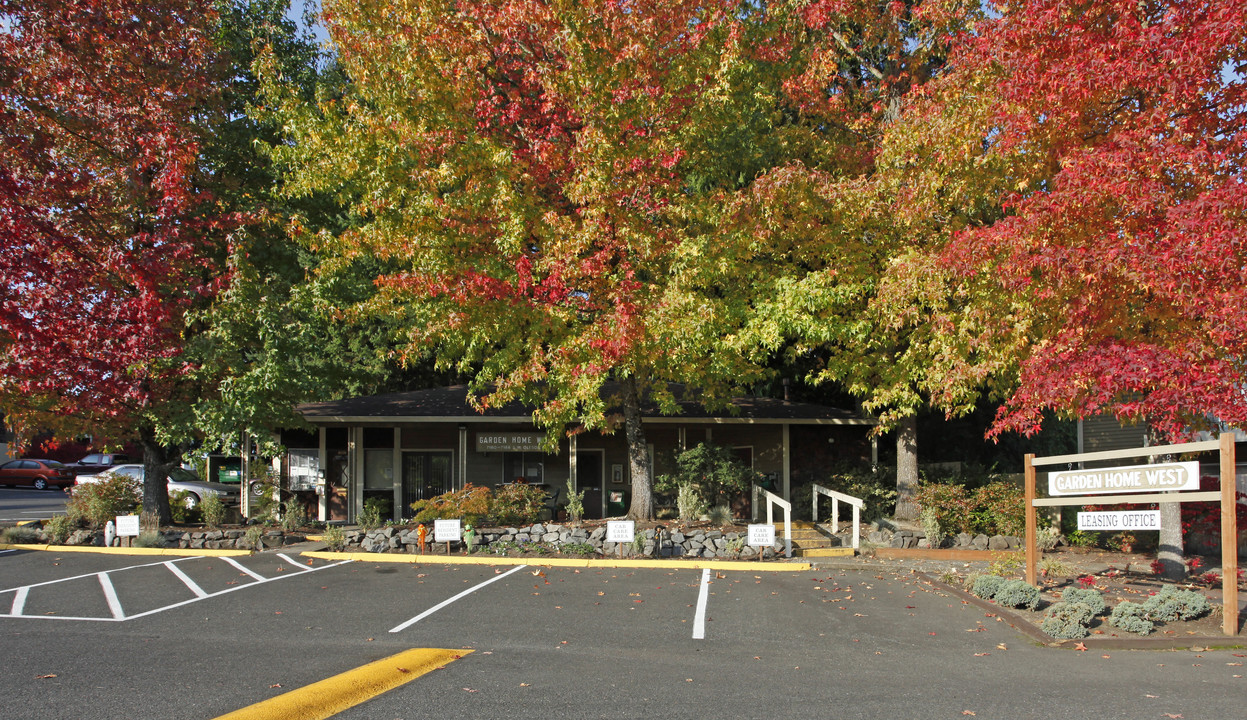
pixel 41 474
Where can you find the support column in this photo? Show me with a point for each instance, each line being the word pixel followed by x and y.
pixel 397 472
pixel 322 479
pixel 787 463
pixel 1032 546
pixel 462 480
pixel 355 461
pixel 1229 536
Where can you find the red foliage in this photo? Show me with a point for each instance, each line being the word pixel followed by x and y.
pixel 106 239
pixel 1131 245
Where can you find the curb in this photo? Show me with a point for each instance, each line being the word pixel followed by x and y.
pixel 741 566
pixel 1024 626
pixel 169 552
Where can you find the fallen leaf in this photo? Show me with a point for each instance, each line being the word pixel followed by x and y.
pixel 967 712
pixel 402 670
pixel 275 685
pixel 45 677
pixel 981 654
pixel 468 690
pixel 1080 647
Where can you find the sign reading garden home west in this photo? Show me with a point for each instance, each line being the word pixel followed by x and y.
pixel 509 442
pixel 1136 478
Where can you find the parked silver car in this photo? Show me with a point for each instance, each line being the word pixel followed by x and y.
pixel 179 479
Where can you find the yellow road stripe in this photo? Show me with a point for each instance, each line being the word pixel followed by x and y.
pixel 167 552
pixel 331 696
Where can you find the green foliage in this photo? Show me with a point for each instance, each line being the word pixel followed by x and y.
pixel 931 527
pixel 719 515
pixel 20 535
pixel 180 513
pixel 688 503
pixel 336 538
pixel 582 549
pixel 735 545
pixel 97 503
pixel 1084 538
pixel 1008 564
pixel 1170 604
pixel 713 471
pixel 1068 620
pixel 1131 617
pixel 517 504
pixel 1090 597
pixel 471 504
pixel 254 537
pixel 1017 594
pixel 59 528
pixel 213 511
pixel 294 516
pixel 1053 568
pixel 986 586
pixel 876 488
pixel 151 539
pixel 996 508
pixel 575 502
pixel 370 517
pixel 1046 538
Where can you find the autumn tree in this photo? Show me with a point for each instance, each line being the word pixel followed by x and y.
pixel 107 237
pixel 543 185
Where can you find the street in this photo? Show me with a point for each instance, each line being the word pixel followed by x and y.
pixel 140 637
pixel 21 504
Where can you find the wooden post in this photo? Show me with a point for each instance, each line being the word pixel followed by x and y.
pixel 1032 547
pixel 1229 536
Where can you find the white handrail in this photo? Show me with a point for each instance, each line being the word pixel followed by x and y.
pixel 771 500
pixel 836 499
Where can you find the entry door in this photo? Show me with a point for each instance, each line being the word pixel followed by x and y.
pixel 425 475
pixel 589 478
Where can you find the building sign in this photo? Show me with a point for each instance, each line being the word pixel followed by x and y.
pixel 509 442
pixel 1120 520
pixel 761 535
pixel 1137 478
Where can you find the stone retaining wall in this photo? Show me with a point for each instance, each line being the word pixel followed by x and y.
pixel 233 539
pixel 561 538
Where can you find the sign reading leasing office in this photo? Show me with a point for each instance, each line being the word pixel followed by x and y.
pixel 1132 479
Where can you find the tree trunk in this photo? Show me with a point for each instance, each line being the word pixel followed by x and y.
pixel 642 507
pixel 1171 549
pixel 907 468
pixel 158 460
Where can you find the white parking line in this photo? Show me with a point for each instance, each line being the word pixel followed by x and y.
pixel 699 618
pixel 114 604
pixel 110 594
pixel 296 563
pixel 194 586
pixel 243 569
pixel 444 603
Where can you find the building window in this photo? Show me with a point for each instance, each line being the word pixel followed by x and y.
pixel 524 467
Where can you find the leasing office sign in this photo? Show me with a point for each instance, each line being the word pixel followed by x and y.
pixel 1132 479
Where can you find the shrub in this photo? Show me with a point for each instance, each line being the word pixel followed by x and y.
pixel 213 511
pixel 1051 567
pixel 20 535
pixel 931 527
pixel 97 503
pixel 1001 507
pixel 335 538
pixel 370 517
pixel 718 476
pixel 1068 620
pixel 1093 599
pixel 689 503
pixel 719 515
pixel 1046 538
pixel 517 504
pixel 1173 604
pixel 1131 617
pixel 1017 594
pixel 876 488
pixel 150 539
pixel 294 515
pixel 178 510
pixel 951 504
pixel 254 537
pixel 575 502
pixel 59 528
pixel 471 504
pixel 986 586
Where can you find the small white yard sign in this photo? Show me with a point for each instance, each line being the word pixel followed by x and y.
pixel 620 531
pixel 447 531
pixel 127 526
pixel 761 535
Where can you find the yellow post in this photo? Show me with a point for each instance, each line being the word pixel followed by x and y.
pixel 1032 548
pixel 1229 536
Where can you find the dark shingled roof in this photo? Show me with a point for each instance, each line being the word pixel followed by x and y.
pixel 450 404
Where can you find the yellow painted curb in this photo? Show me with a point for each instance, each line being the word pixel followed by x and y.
pixel 739 565
pixel 331 696
pixel 173 552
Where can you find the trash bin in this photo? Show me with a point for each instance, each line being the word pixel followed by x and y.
pixel 618 502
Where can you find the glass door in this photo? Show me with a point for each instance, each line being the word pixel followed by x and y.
pixel 426 474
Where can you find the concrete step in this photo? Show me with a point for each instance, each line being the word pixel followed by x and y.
pixel 823 552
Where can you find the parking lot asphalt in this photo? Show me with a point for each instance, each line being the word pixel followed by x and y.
pixel 860 641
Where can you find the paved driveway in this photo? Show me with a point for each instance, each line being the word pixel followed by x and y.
pixel 558 642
